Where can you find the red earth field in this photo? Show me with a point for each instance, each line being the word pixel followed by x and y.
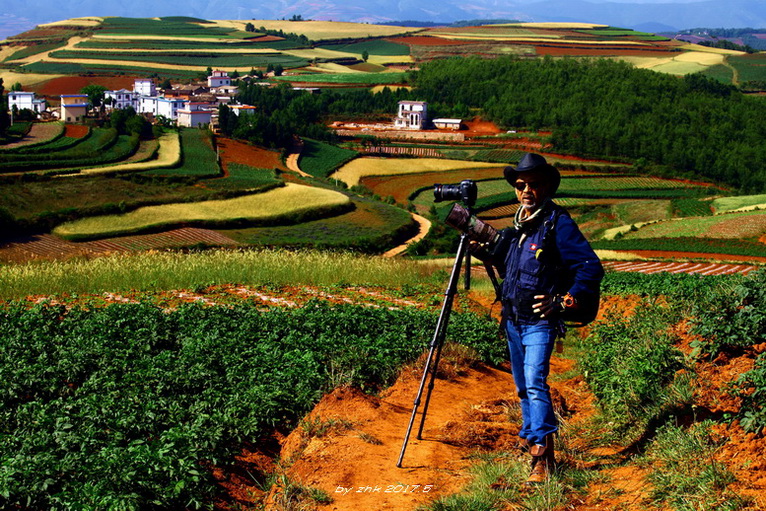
pixel 73 84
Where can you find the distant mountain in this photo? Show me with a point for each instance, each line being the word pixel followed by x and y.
pixel 670 16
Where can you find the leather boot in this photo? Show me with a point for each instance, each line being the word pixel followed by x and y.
pixel 543 461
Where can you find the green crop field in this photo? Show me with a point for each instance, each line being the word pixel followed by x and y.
pixel 288 204
pixel 195 59
pixel 353 171
pixel 198 157
pixel 320 159
pixel 727 226
pixel 749 67
pixel 77 69
pixel 725 204
pixel 165 26
pixel 169 44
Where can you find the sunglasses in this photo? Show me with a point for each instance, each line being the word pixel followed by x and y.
pixel 533 185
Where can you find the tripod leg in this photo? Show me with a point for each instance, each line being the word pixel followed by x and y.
pixel 436 344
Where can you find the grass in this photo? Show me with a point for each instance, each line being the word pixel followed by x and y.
pixel 287 204
pixel 685 473
pixel 320 159
pixel 726 204
pixel 171 270
pixel 168 44
pixel 210 59
pixel 734 226
pixel 353 171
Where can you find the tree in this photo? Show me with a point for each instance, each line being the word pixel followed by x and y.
pixel 95 94
pixel 16 87
pixel 165 85
pixel 278 70
pixel 365 55
pixel 249 27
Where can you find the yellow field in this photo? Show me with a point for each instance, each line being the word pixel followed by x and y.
pixel 310 54
pixel 25 79
pixel 707 49
pixel 89 21
pixel 320 30
pixel 291 198
pixel 169 155
pixel 358 168
pixel 559 25
pixel 682 64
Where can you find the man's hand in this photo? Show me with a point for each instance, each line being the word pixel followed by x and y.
pixel 551 303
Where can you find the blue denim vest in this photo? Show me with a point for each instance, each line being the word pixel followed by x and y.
pixel 532 267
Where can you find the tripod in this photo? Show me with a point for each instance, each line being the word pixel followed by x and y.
pixel 435 348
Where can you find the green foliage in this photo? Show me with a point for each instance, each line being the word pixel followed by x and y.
pixel 684 472
pixel 630 365
pixel 245 177
pixel 320 159
pixel 690 286
pixel 125 406
pixel 587 105
pixel 71 68
pixel 736 320
pixel 691 207
pixel 34 49
pixel 199 158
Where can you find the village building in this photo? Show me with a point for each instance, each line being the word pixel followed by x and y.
pixel 74 107
pixel 218 79
pixel 120 99
pixel 145 87
pixel 195 115
pixel 412 115
pixel 25 101
pixel 449 124
pixel 156 106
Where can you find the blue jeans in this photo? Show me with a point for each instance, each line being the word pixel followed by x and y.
pixel 531 347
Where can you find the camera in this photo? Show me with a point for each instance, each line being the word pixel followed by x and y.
pixel 465 191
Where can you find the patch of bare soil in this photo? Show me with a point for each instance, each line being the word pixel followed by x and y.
pixel 236 151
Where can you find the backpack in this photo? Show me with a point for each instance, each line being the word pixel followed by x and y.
pixel 587 304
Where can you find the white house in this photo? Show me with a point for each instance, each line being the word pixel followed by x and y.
pixel 412 115
pixel 25 100
pixel 218 79
pixel 73 107
pixel 193 115
pixel 122 98
pixel 144 87
pixel 167 107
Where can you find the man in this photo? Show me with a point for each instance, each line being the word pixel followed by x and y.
pixel 549 271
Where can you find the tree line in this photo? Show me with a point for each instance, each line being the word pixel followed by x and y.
pixel 684 126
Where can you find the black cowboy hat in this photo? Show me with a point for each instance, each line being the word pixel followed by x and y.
pixel 534 162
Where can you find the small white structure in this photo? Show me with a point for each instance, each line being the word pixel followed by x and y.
pixel 229 90
pixel 122 98
pixel 74 107
pixel 449 124
pixel 194 115
pixel 144 87
pixel 218 79
pixel 25 100
pixel 412 115
pixel 243 109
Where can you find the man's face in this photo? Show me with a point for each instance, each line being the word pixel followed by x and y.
pixel 531 189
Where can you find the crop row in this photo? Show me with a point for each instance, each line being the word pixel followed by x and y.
pixel 169 44
pixel 320 159
pixel 130 406
pixel 198 157
pixel 164 26
pixel 181 58
pixel 686 244
pixel 77 69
